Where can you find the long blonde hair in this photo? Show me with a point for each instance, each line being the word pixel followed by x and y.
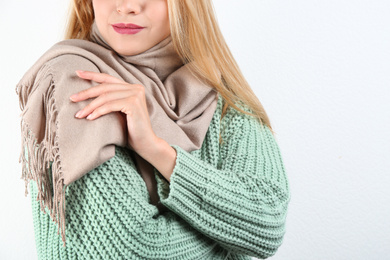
pixel 197 38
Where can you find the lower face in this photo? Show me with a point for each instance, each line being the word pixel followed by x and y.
pixel 150 14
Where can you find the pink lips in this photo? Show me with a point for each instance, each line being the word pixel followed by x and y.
pixel 128 28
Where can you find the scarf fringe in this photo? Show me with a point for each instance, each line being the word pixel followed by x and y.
pixel 42 156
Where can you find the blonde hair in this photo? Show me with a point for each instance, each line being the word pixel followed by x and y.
pixel 197 38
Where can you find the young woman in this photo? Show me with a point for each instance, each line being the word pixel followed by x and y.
pixel 195 172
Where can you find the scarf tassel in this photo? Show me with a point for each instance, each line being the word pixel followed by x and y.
pixel 43 163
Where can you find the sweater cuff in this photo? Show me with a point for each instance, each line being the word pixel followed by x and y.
pixel 186 191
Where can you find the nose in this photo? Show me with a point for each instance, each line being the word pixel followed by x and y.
pixel 129 6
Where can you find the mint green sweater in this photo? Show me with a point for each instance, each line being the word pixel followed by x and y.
pixel 225 201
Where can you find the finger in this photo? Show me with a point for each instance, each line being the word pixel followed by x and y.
pixel 98 90
pixel 98 77
pixel 102 99
pixel 106 108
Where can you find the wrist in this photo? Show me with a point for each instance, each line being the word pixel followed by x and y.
pixel 163 157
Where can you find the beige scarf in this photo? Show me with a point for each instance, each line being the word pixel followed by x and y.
pixel 179 105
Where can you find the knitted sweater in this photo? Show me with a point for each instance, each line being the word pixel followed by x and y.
pixel 225 201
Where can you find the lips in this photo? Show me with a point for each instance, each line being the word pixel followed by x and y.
pixel 127 26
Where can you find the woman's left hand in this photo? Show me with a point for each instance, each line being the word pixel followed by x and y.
pixel 114 94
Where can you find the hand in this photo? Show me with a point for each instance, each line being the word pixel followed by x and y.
pixel 117 95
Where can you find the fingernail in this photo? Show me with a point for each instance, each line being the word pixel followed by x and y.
pixel 73 97
pixel 79 71
pixel 89 116
pixel 78 114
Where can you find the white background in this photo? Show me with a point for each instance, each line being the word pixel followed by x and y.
pixel 322 71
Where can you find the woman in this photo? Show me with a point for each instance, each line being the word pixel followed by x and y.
pixel 195 172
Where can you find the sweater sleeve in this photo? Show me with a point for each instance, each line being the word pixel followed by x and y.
pixel 242 203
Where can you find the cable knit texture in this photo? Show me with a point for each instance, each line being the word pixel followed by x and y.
pixel 225 201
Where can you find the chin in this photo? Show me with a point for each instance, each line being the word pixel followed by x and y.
pixel 127 52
